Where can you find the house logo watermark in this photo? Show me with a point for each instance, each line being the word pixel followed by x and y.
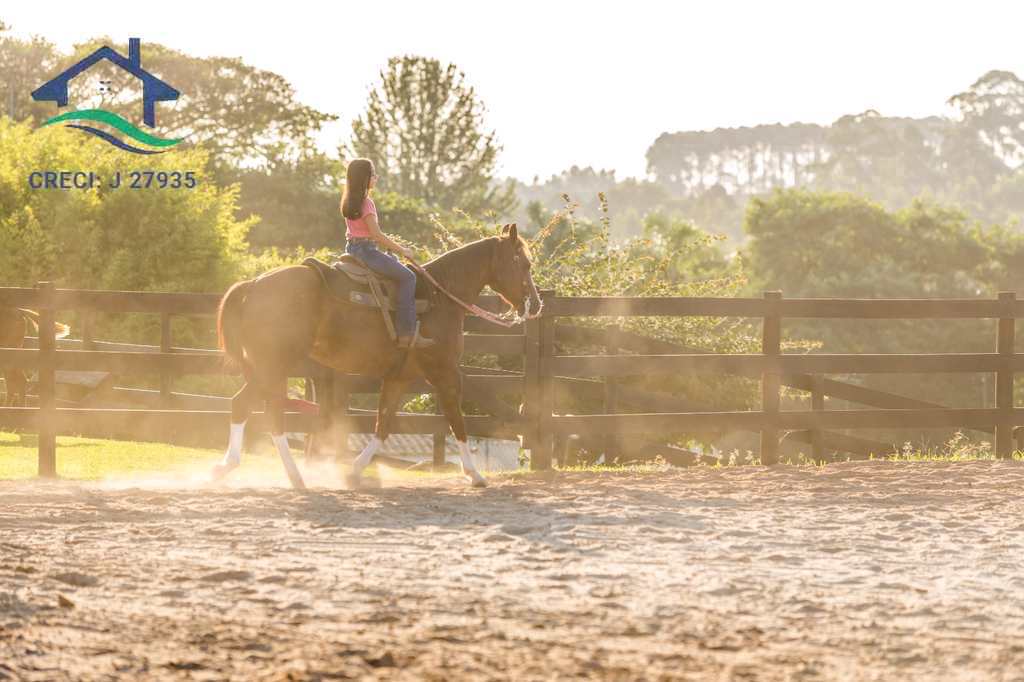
pixel 126 135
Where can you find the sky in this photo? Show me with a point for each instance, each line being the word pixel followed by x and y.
pixel 588 83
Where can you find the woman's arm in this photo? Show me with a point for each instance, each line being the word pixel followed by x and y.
pixel 375 233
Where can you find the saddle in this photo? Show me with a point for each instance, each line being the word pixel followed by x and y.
pixel 350 280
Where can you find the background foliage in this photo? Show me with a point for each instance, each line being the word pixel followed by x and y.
pixel 868 206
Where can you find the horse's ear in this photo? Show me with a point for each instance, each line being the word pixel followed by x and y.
pixel 513 232
pixel 504 229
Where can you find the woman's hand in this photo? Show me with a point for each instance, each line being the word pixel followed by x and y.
pixel 407 253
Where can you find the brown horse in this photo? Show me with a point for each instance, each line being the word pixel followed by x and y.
pixel 269 325
pixel 13 327
pixel 14 324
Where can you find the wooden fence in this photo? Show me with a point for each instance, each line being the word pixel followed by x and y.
pixel 48 419
pixel 544 370
pixel 771 365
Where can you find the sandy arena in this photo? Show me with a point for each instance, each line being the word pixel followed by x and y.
pixel 858 571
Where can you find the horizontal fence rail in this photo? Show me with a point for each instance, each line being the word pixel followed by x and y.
pixel 72 420
pixel 836 419
pixel 836 308
pixel 624 365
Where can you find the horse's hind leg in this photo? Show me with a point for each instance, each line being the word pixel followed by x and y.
pixel 387 408
pixel 275 409
pixel 241 408
pixel 17 388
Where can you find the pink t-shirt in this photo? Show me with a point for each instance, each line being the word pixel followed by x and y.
pixel 358 227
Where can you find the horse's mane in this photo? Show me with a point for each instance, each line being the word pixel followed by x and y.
pixel 449 264
pixel 450 267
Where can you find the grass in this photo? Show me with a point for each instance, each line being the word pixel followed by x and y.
pixel 95 459
pixel 91 459
pixel 99 459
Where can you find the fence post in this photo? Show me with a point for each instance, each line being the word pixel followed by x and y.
pixel 165 347
pixel 47 382
pixel 611 398
pixel 542 445
pixel 88 324
pixel 529 409
pixel 1004 377
pixel 817 405
pixel 771 333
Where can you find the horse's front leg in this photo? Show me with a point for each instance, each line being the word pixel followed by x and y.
pixel 449 390
pixel 387 408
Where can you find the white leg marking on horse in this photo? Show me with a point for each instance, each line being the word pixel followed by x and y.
pixel 233 455
pixel 281 441
pixel 468 468
pixel 366 456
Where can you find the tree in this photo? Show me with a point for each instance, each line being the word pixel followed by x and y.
pixel 838 244
pixel 993 108
pixel 296 202
pixel 692 254
pixel 244 116
pixel 968 158
pixel 145 239
pixel 831 244
pixel 24 65
pixel 162 239
pixel 424 129
pixel 987 140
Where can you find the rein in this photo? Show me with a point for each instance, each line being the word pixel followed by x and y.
pixel 477 310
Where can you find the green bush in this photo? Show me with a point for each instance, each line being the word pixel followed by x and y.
pixel 184 240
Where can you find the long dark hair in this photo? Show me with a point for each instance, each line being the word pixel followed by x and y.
pixel 357 186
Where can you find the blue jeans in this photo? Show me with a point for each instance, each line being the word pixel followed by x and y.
pixel 387 265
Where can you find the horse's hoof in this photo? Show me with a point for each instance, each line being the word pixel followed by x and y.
pixel 219 471
pixel 354 481
pixel 478 481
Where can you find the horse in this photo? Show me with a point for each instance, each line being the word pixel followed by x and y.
pixel 268 326
pixel 14 324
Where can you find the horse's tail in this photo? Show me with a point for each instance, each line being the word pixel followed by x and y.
pixel 32 316
pixel 229 318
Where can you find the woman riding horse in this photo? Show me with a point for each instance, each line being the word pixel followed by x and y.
pixel 268 326
pixel 363 235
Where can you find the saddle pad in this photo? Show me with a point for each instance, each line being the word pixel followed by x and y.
pixel 355 289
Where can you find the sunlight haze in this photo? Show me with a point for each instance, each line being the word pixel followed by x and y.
pixel 576 83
